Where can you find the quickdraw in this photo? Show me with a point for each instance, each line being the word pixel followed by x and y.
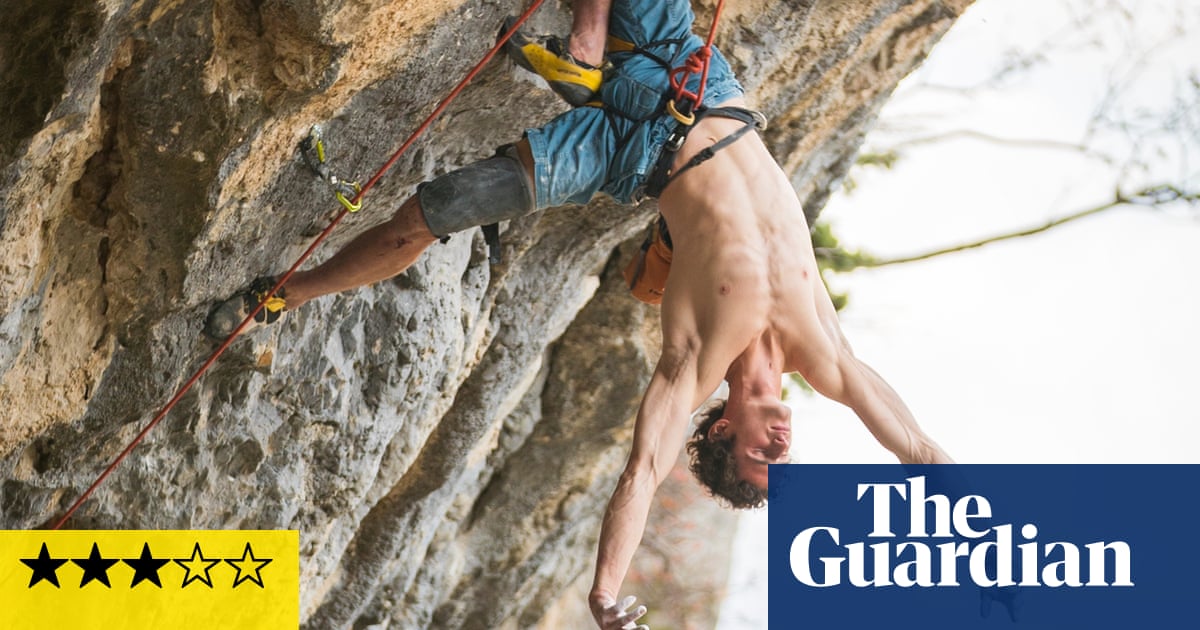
pixel 312 148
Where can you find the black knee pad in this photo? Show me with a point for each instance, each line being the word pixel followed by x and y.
pixel 486 192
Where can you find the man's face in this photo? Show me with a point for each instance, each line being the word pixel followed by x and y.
pixel 762 434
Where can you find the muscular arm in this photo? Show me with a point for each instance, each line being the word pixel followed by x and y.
pixel 703 333
pixel 839 375
pixel 658 436
pixel 886 416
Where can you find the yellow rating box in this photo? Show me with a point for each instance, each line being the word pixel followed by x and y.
pixel 241 579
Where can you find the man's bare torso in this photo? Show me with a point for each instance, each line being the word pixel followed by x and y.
pixel 743 272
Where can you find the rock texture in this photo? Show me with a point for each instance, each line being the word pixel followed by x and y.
pixel 445 442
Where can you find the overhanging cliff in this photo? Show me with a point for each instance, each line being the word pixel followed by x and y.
pixel 445 442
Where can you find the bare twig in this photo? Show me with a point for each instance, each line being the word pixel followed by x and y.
pixel 1024 143
pixel 1150 197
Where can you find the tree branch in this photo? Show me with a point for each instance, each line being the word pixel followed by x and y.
pixel 1150 197
pixel 1028 143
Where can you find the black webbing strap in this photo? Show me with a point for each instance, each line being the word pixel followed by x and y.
pixel 617 46
pixel 707 153
pixel 662 175
pixel 491 236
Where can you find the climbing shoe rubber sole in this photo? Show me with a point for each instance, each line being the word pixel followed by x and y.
pixel 547 57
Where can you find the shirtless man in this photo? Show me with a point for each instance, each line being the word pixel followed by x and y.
pixel 744 304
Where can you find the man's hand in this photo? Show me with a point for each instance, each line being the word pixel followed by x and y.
pixel 611 616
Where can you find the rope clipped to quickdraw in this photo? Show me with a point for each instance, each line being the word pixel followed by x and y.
pixel 684 102
pixel 312 148
pixel 347 205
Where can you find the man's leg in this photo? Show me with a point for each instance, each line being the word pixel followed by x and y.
pixel 589 30
pixel 384 251
pixel 390 248
pixel 487 191
pixel 381 252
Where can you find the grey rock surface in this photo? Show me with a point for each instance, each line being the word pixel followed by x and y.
pixel 445 442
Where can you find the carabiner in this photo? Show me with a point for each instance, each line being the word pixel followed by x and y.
pixel 689 119
pixel 346 192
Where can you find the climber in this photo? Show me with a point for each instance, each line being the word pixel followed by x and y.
pixel 745 303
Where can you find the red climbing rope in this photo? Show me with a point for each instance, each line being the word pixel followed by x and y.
pixel 696 63
pixel 299 261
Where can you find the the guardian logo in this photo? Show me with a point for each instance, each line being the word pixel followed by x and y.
pixel 963 543
pixel 1057 546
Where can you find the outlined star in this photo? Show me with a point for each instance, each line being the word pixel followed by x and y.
pixel 94 567
pixel 199 565
pixel 145 567
pixel 44 567
pixel 243 574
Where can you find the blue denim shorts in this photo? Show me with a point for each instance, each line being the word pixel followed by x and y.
pixel 614 148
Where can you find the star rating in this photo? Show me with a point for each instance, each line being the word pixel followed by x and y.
pixel 95 567
pixel 145 567
pixel 248 559
pixel 44 567
pixel 198 564
pixel 149 579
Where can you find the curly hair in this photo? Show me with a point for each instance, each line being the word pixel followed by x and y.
pixel 711 461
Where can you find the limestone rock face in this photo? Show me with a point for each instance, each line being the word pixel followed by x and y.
pixel 445 442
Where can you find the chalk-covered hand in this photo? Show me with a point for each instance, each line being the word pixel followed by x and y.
pixel 613 616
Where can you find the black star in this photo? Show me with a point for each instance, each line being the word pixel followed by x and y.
pixel 197 565
pixel 251 572
pixel 44 567
pixel 145 567
pixel 94 567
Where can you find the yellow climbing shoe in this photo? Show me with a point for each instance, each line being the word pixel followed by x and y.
pixel 223 319
pixel 546 56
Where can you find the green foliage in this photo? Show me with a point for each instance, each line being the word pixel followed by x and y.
pixel 831 256
pixel 796 383
pixel 840 300
pixel 884 160
pixel 822 236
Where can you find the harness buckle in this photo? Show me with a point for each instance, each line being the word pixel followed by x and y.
pixel 675 140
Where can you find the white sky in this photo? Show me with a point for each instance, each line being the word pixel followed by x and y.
pixel 1080 345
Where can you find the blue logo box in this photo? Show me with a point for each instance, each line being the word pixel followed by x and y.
pixel 984 546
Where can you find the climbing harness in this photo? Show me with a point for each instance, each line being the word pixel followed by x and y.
pixel 684 105
pixel 646 274
pixel 355 200
pixel 661 174
pixel 312 149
